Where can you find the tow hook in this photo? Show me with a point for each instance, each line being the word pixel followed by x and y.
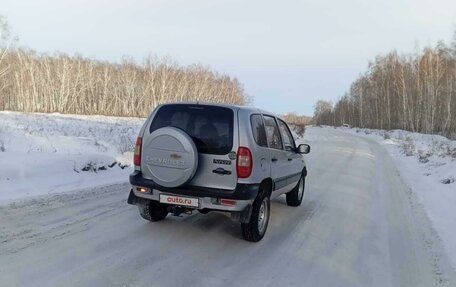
pixel 178 210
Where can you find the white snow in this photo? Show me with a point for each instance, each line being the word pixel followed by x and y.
pixel 45 153
pixel 340 236
pixel 426 162
pixel 358 224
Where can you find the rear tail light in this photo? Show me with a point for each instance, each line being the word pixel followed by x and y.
pixel 137 156
pixel 244 163
pixel 227 202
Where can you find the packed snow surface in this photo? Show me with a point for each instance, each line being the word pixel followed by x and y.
pixel 428 164
pixel 377 207
pixel 359 223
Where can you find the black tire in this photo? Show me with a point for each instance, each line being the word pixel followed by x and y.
pixel 153 210
pixel 255 229
pixel 294 197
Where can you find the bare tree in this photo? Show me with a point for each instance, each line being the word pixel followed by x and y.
pixel 5 42
pixel 61 83
pixel 34 82
pixel 412 92
pixel 323 113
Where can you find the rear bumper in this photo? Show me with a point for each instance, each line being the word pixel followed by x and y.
pixel 243 194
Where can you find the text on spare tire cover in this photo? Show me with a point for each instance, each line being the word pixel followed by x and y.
pixel 165 161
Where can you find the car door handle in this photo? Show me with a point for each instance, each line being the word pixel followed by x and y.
pixel 273 159
pixel 221 171
pixel 290 159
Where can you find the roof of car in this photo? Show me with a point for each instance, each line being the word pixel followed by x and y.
pixel 247 108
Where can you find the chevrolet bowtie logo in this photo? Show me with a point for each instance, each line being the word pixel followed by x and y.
pixel 175 156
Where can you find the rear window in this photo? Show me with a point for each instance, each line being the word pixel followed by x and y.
pixel 211 128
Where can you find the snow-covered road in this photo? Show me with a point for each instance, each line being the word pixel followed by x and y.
pixel 359 225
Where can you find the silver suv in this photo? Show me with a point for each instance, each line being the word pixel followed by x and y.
pixel 211 157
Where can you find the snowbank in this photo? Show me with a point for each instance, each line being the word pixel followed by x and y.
pixel 48 153
pixel 428 164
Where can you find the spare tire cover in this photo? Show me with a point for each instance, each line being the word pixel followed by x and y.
pixel 170 156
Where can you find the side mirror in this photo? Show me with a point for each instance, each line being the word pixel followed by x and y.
pixel 303 149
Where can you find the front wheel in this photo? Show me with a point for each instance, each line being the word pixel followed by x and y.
pixel 294 197
pixel 153 210
pixel 255 229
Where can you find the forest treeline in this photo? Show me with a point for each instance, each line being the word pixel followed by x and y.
pixel 415 92
pixel 32 82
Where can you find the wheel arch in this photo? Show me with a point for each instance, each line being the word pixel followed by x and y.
pixel 267 184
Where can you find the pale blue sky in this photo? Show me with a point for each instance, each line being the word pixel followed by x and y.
pixel 288 54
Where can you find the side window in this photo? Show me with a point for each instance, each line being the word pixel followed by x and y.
pixel 272 133
pixel 258 130
pixel 287 136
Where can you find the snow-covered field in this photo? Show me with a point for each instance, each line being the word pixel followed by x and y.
pixel 428 164
pixel 49 153
pixel 359 225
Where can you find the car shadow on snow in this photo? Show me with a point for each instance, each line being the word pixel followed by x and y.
pixel 283 220
pixel 213 222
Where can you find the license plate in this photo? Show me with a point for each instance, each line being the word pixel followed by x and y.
pixel 179 200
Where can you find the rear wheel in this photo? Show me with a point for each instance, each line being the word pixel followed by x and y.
pixel 255 229
pixel 294 197
pixel 153 210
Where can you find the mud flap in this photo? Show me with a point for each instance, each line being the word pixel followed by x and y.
pixel 132 198
pixel 242 216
